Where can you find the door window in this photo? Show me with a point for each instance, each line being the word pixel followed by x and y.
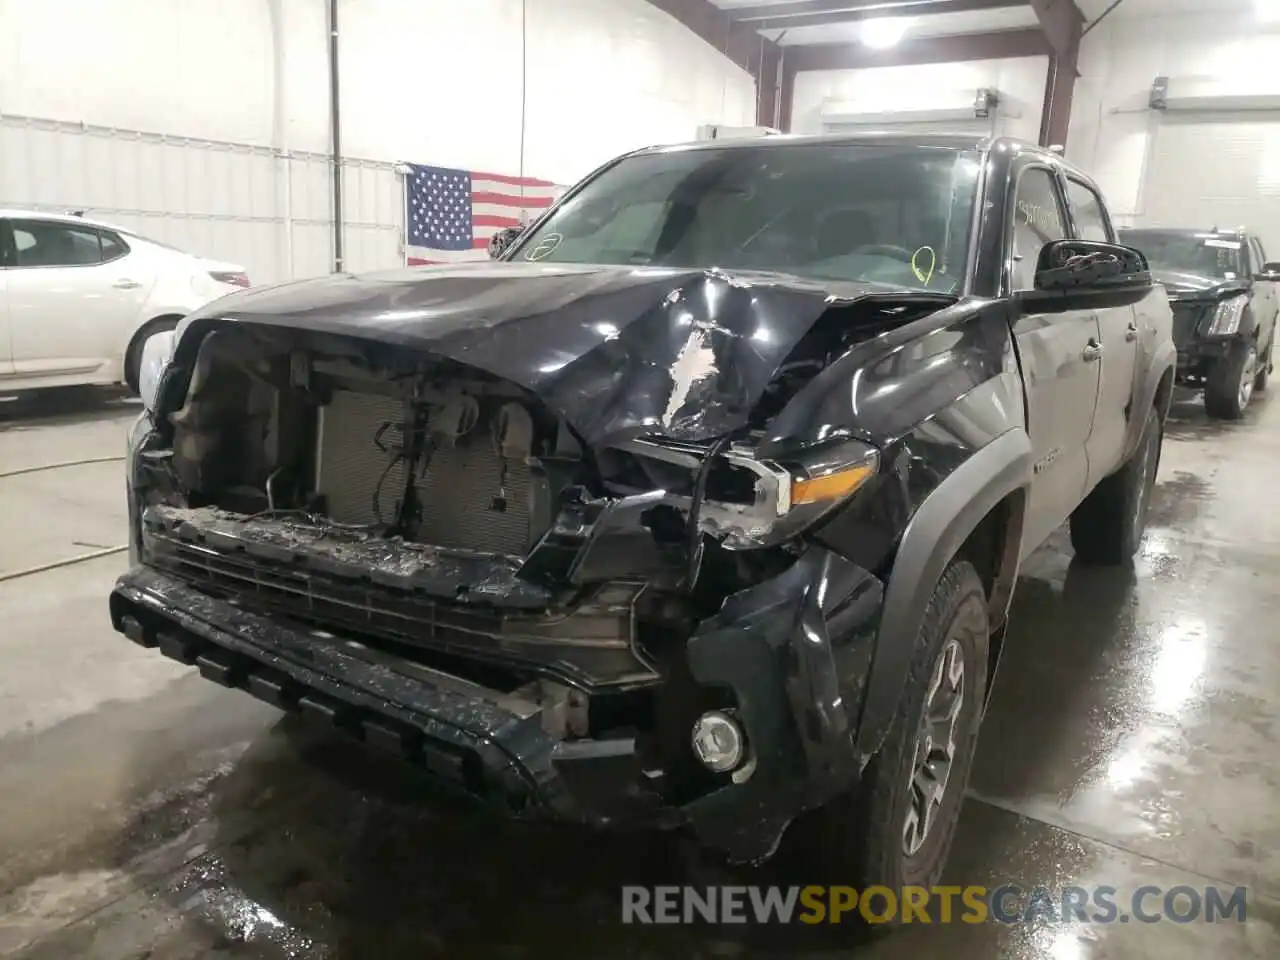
pixel 112 246
pixel 40 243
pixel 1090 216
pixel 1037 219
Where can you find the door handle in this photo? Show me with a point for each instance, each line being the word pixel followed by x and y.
pixel 1131 333
pixel 125 283
pixel 1092 351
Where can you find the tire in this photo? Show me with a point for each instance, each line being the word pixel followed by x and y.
pixel 133 358
pixel 1106 529
pixel 865 838
pixel 1231 382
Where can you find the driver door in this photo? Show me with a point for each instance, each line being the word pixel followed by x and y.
pixel 1266 298
pixel 1059 356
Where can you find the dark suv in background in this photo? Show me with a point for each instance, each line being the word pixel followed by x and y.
pixel 1224 298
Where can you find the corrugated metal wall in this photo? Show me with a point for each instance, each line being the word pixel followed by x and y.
pixel 249 204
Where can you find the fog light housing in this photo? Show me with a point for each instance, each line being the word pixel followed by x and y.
pixel 719 742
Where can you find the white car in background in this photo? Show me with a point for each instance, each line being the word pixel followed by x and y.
pixel 79 298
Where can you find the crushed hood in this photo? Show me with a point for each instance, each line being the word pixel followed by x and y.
pixel 618 351
pixel 1192 286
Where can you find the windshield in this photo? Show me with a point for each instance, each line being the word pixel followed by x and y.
pixel 1177 251
pixel 891 214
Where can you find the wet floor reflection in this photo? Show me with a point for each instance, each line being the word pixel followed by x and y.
pixel 1132 739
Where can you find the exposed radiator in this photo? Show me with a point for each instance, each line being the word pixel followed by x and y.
pixel 466 500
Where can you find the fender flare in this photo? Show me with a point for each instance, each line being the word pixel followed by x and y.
pixel 1250 325
pixel 1163 361
pixel 935 533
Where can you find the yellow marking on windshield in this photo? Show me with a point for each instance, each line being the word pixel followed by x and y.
pixel 924 273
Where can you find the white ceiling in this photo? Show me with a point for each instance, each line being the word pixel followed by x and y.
pixel 1005 18
pixel 937 25
pixel 1151 8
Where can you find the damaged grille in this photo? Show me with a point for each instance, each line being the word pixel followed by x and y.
pixel 471 495
pixel 1186 317
pixel 328 582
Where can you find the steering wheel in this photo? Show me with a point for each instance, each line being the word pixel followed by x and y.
pixel 887 250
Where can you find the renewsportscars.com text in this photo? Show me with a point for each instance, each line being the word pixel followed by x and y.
pixel 943 904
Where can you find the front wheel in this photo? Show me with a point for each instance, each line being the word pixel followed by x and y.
pixel 1106 529
pixel 897 830
pixel 1231 382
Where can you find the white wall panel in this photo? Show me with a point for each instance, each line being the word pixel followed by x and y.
pixel 607 76
pixel 205 123
pixel 197 68
pixel 925 87
pixel 215 198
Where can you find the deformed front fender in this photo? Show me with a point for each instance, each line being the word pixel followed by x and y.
pixel 1163 361
pixel 937 530
pixel 794 651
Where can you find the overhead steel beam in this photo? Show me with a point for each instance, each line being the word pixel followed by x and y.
pixel 1062 22
pixel 786 93
pixel 982 46
pixel 1063 26
pixel 769 87
pixel 780 16
pixel 739 43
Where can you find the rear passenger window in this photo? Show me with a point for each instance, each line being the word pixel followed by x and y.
pixel 112 247
pixel 1037 219
pixel 1091 222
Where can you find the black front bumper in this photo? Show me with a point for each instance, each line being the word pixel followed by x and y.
pixel 793 651
pixel 1198 350
pixel 1196 358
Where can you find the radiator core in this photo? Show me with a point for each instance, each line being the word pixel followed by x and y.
pixel 467 501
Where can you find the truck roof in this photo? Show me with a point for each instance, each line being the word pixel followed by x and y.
pixel 1233 233
pixel 957 141
pixel 953 141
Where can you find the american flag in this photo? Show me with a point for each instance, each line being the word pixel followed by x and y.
pixel 451 214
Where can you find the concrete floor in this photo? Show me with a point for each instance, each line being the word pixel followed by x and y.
pixel 147 813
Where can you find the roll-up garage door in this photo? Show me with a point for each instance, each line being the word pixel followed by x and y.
pixel 1215 169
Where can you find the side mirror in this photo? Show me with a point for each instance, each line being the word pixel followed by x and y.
pixel 1270 271
pixel 156 354
pixel 503 239
pixel 1086 275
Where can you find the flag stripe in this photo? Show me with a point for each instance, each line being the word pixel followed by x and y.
pixel 513 181
pixel 493 220
pixel 526 202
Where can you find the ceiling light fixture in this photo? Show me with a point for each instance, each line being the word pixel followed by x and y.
pixel 882 34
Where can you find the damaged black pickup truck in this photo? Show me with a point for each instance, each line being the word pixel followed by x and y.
pixel 702 506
